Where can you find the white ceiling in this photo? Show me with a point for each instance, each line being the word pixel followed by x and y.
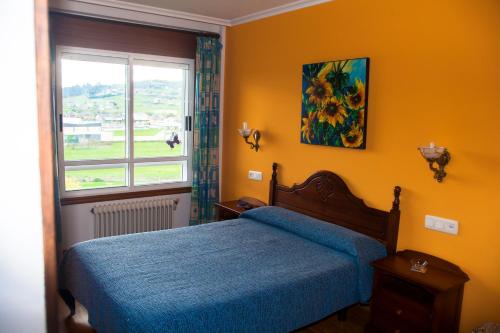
pixel 216 12
pixel 229 11
pixel 223 9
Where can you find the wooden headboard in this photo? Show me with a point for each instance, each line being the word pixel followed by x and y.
pixel 324 195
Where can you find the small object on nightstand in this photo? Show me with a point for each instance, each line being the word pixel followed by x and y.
pixel 405 300
pixel 228 210
pixel 419 265
pixel 249 203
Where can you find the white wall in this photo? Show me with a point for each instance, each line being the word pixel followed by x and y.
pixel 22 303
pixel 78 220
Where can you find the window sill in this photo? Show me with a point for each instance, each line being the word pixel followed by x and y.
pixel 123 195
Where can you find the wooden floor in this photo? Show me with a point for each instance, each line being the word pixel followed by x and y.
pixel 357 317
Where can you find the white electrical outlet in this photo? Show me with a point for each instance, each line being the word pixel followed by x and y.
pixel 441 224
pixel 255 175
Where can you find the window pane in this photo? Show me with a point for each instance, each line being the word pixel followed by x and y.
pixel 92 177
pixel 157 173
pixel 94 108
pixel 159 109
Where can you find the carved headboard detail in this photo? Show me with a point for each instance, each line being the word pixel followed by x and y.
pixel 324 195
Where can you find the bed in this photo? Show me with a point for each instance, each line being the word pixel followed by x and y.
pixel 275 269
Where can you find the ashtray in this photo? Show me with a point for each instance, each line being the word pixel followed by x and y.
pixel 419 265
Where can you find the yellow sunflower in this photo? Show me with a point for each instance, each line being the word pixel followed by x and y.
pixel 327 68
pixel 319 90
pixel 354 137
pixel 307 132
pixel 332 111
pixel 357 99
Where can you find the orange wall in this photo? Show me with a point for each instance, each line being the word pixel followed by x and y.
pixel 434 75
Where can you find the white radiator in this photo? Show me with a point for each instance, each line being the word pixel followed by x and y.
pixel 129 217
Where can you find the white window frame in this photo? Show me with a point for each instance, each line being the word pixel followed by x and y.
pixel 129 160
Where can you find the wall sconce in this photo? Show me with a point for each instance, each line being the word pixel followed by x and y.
pixel 245 132
pixel 438 155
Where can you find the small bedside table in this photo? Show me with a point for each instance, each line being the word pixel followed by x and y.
pixel 228 210
pixel 407 301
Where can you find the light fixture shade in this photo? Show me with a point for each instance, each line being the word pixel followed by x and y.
pixel 431 152
pixel 436 155
pixel 245 132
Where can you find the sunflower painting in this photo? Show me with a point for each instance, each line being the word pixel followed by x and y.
pixel 334 103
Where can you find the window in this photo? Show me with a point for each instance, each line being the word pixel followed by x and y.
pixel 124 121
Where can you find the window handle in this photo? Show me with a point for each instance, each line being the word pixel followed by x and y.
pixel 187 124
pixel 60 122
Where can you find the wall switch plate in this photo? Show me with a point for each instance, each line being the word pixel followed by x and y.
pixel 255 175
pixel 441 224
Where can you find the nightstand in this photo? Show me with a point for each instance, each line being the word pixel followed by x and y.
pixel 228 210
pixel 407 301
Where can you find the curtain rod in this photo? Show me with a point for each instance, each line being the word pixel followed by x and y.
pixel 128 22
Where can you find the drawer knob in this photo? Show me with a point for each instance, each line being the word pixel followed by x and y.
pixel 399 312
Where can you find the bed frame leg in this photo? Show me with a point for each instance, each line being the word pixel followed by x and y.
pixel 342 314
pixel 69 300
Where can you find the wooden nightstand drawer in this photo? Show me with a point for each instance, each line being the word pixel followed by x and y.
pixel 225 214
pixel 398 312
pixel 407 301
pixel 406 292
pixel 404 300
pixel 382 322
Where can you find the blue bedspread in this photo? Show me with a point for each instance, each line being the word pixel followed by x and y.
pixel 253 274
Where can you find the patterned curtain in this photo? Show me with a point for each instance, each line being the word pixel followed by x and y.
pixel 205 188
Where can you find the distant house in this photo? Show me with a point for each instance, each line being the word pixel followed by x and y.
pixel 142 120
pixel 114 122
pixel 77 130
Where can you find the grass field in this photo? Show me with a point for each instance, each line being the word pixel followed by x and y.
pixel 139 132
pixel 154 174
pixel 117 176
pixel 96 178
pixel 103 150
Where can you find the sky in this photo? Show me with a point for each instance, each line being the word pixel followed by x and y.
pixel 77 72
